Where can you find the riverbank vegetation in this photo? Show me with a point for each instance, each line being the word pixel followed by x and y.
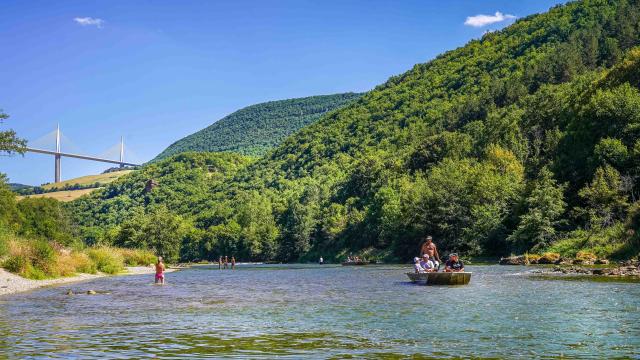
pixel 38 241
pixel 525 140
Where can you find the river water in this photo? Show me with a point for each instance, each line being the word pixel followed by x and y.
pixel 311 311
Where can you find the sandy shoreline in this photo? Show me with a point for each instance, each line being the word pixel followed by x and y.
pixel 12 283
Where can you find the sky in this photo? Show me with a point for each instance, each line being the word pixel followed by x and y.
pixel 156 71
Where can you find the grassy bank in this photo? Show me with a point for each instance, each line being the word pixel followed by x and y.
pixel 39 259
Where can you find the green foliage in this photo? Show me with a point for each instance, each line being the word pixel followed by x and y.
pixel 256 129
pixel 44 218
pixel 4 246
pixel 611 151
pixel 107 260
pixel 159 231
pixel 545 206
pixel 9 142
pixel 470 147
pixel 137 257
pixel 16 264
pixel 604 199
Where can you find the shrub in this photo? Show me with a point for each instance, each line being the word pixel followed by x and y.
pixel 42 256
pixel 4 246
pixel 137 257
pixel 16 264
pixel 34 273
pixel 532 258
pixel 83 263
pixel 107 260
pixel 549 258
pixel 586 256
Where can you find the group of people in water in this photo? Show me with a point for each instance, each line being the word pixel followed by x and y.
pixel 223 263
pixel 429 260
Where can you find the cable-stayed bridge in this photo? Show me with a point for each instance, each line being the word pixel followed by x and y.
pixel 58 154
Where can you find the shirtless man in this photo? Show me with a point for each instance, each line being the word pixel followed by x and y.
pixel 429 248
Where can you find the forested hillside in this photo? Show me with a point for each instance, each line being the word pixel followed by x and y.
pixel 258 128
pixel 524 140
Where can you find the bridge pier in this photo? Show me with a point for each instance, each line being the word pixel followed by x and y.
pixel 57 171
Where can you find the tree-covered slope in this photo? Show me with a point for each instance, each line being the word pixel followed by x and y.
pixel 258 128
pixel 524 140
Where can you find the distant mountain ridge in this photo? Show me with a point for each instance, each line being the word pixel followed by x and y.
pixel 255 129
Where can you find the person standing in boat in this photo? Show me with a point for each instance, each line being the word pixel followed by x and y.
pixel 454 264
pixel 429 248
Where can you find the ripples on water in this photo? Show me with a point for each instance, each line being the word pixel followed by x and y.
pixel 323 312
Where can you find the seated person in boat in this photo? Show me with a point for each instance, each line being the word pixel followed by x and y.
pixel 427 264
pixel 454 264
pixel 416 265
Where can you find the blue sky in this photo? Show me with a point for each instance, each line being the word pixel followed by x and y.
pixel 155 71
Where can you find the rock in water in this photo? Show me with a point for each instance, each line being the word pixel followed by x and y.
pixel 69 292
pixel 91 292
pixel 514 260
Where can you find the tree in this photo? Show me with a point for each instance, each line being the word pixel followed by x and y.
pixel 545 205
pixel 158 230
pixel 611 151
pixel 9 142
pixel 603 197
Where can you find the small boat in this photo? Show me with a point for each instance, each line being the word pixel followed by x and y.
pixel 355 263
pixel 441 278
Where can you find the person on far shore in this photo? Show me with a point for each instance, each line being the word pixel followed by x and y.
pixel 321 260
pixel 233 263
pixel 160 271
pixel 454 264
pixel 220 263
pixel 427 264
pixel 226 261
pixel 428 247
pixel 416 266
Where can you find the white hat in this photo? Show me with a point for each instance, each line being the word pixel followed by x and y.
pixel 416 259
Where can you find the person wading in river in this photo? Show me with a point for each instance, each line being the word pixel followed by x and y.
pixel 226 261
pixel 429 248
pixel 160 271
pixel 220 263
pixel 233 263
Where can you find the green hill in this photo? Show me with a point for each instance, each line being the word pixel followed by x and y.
pixel 523 140
pixel 258 128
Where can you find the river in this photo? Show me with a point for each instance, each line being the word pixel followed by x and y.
pixel 312 311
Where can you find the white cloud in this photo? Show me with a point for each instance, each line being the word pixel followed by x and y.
pixel 89 21
pixel 483 20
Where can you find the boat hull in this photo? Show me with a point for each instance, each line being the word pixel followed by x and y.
pixel 355 263
pixel 441 278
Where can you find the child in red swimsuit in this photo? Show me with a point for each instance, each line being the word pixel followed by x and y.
pixel 160 271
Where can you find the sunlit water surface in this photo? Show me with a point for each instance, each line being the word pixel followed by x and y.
pixel 299 311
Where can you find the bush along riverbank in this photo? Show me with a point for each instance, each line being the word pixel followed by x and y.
pixel 40 259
